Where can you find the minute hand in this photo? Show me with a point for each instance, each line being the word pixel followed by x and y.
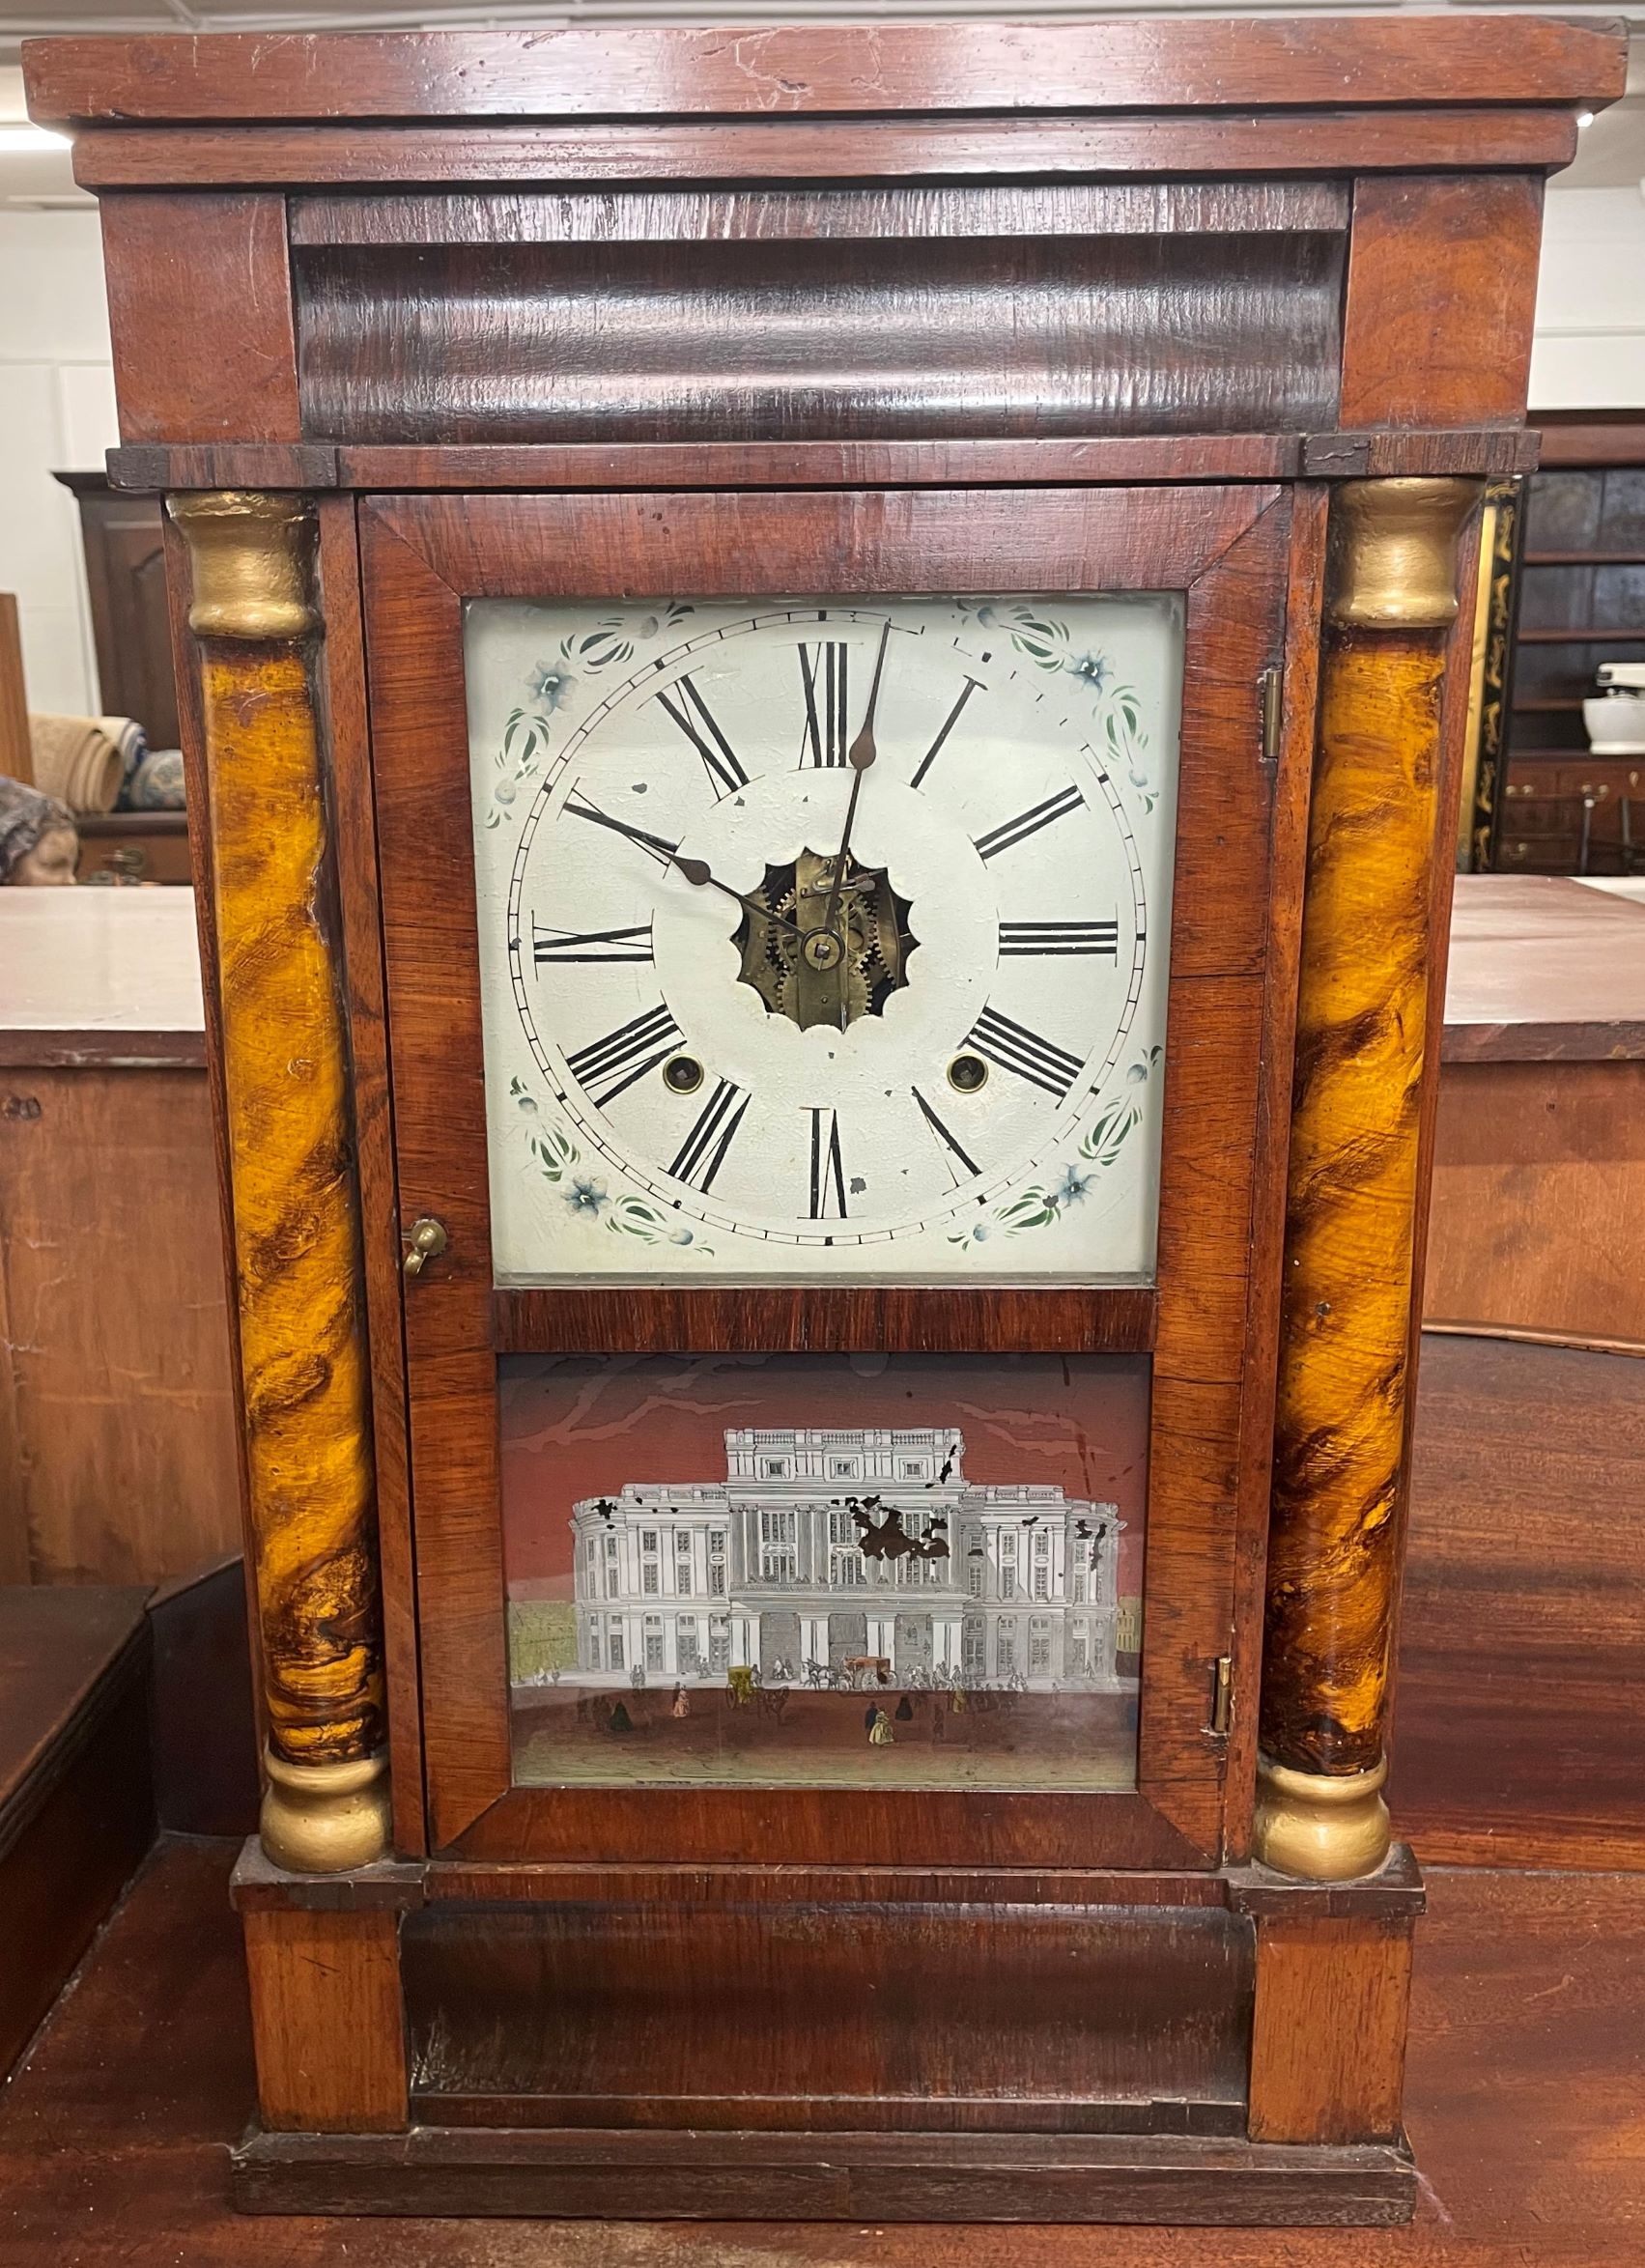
pixel 667 854
pixel 859 755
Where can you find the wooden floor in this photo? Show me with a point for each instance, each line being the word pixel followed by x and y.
pixel 1526 2107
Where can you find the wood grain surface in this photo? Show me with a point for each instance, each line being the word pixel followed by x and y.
pixel 1299 691
pixel 341 667
pixel 1052 459
pixel 200 309
pixel 1346 1312
pixel 1538 1216
pixel 1521 1680
pixel 1522 2093
pixel 296 1224
pixel 621 331
pixel 693 216
pixel 1007 2018
pixel 118 1454
pixel 1441 289
pixel 614 71
pixel 1328 2029
pixel 325 1991
pixel 1216 143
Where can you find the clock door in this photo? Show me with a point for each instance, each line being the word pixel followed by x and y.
pixel 828 941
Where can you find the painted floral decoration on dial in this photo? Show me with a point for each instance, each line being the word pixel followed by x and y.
pixel 825 939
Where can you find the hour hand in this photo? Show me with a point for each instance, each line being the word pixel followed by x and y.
pixel 697 873
pixel 667 854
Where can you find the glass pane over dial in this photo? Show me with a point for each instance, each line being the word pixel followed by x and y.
pixel 825 939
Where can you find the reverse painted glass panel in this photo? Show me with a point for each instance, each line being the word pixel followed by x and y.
pixel 843 1571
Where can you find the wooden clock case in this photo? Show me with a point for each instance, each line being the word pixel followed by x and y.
pixel 405 321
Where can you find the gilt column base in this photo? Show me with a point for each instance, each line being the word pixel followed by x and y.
pixel 1321 1826
pixel 325 1818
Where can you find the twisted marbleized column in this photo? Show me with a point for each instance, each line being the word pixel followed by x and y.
pixel 296 1203
pixel 1363 1009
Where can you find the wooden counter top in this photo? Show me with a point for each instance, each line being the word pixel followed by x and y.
pixel 105 976
pixel 1544 970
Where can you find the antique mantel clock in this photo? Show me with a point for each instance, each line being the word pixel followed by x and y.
pixel 817 669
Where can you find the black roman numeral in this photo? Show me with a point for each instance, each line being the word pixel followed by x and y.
pixel 550 948
pixel 702 1152
pixel 827 1174
pixel 1026 823
pixel 608 1068
pixel 822 673
pixel 682 701
pixel 1015 1048
pixel 972 684
pixel 951 1149
pixel 1060 936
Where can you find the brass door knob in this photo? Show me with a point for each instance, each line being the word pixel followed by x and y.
pixel 428 1240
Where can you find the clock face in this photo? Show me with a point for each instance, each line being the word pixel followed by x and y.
pixel 824 939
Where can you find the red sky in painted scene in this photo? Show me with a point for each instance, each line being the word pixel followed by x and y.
pixel 583 1427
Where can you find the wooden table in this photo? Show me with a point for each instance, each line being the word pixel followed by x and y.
pixel 118 1462
pixel 1538 1223
pixel 1522 2101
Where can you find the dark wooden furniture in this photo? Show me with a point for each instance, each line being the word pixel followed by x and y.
pixel 116 1359
pixel 628 311
pixel 1523 1623
pixel 17 757
pixel 76 1799
pixel 1580 602
pixel 125 545
pixel 1537 1223
pixel 133 847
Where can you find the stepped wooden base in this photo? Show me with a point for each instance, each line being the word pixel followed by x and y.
pixel 640 2042
pixel 872 2177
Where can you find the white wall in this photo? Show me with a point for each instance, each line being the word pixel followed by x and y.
pixel 56 415
pixel 57 393
pixel 1589 351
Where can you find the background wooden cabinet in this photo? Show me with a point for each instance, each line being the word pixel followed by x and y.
pixel 1580 602
pixel 126 577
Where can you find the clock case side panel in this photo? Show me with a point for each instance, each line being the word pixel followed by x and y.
pixel 1227 549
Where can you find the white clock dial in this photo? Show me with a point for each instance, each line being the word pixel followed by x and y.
pixel 718 1048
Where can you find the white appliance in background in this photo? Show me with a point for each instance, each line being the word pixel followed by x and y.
pixel 1615 717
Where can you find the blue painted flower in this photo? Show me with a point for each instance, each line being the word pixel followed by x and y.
pixel 1071 1188
pixel 1092 669
pixel 550 685
pixel 1137 1073
pixel 586 1196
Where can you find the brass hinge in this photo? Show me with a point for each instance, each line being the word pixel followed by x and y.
pixel 1222 1696
pixel 1271 683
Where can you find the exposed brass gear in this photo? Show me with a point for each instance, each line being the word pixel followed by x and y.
pixel 838 991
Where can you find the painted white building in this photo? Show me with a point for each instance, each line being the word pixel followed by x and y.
pixel 767 1570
